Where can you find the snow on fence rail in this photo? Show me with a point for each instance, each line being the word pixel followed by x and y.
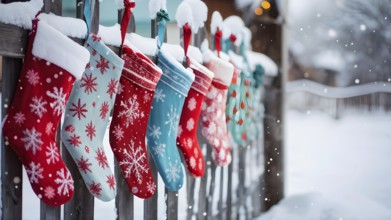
pixel 207 198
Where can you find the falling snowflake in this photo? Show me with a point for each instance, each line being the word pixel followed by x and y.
pixel 89 83
pixel 111 181
pixel 52 153
pixel 59 100
pixel 90 130
pixel 49 128
pixel 83 164
pixel 34 172
pixel 155 132
pixel 190 124
pixel 159 149
pixel 131 110
pixel 101 158
pixel 112 87
pixel 19 118
pixel 64 181
pixel 147 97
pixel 78 109
pixel 134 162
pixel 180 130
pixel 159 95
pixel 172 120
pixel 104 109
pixel 192 162
pixel 49 192
pixel 118 133
pixel 102 65
pixel 151 187
pixel 173 172
pixel 74 140
pixel 32 139
pixel 32 77
pixel 38 106
pixel 192 104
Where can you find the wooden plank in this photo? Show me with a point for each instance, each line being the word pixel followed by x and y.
pixel 13 41
pixel 172 205
pixel 202 194
pixel 212 186
pixel 191 183
pixel 124 199
pixel 229 188
pixel 11 167
pixel 221 195
pixel 241 176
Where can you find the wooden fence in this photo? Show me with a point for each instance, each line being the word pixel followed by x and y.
pixel 232 192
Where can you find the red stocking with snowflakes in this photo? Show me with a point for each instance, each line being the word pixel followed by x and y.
pixel 51 65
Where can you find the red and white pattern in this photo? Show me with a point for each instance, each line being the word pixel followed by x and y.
pixel 30 128
pixel 130 119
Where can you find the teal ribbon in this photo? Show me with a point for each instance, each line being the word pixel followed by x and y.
pixel 226 45
pixel 88 14
pixel 162 18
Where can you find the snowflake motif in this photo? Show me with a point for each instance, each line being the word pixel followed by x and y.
pixel 222 154
pixel 155 132
pixel 172 120
pixel 52 153
pixel 32 77
pixel 74 140
pixel 38 106
pixel 196 152
pixel 49 128
pixel 34 172
pixel 89 83
pixel 193 162
pixel 90 130
pixel 102 65
pixel 32 139
pixel 83 164
pixel 65 181
pixel 101 158
pixel 78 109
pixel 190 124
pixel 134 162
pixel 159 95
pixel 112 87
pixel 87 149
pixel 95 38
pixel 173 172
pixel 49 192
pixel 118 133
pixel 147 97
pixel 212 128
pixel 180 130
pixel 111 181
pixel 189 143
pixel 19 118
pixel 131 110
pixel 59 100
pixel 104 109
pixel 93 53
pixel 95 189
pixel 200 164
pixel 159 149
pixel 70 128
pixel 151 187
pixel 192 104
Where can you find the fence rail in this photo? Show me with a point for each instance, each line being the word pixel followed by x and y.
pixel 233 192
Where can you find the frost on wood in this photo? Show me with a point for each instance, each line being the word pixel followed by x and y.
pixel 199 12
pixel 155 6
pixel 184 14
pixel 71 27
pixel 20 13
pixel 217 22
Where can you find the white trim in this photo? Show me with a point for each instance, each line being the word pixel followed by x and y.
pixel 222 69
pixel 202 69
pixel 140 77
pixel 53 46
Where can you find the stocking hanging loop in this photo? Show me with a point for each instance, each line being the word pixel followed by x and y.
pixel 162 18
pixel 126 18
pixel 186 37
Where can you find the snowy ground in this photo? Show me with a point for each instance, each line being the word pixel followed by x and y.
pixel 336 169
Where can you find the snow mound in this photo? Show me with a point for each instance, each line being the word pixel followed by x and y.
pixel 20 14
pixel 236 59
pixel 268 64
pixel 155 6
pixel 147 46
pixel 110 35
pixel 184 14
pixel 247 35
pixel 120 3
pixel 195 53
pixel 200 14
pixel 71 27
pixel 217 22
pixel 233 25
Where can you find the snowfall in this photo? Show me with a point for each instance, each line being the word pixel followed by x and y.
pixel 335 170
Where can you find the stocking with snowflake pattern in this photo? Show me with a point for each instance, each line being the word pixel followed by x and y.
pixel 213 119
pixel 130 119
pixel 87 115
pixel 187 131
pixel 167 105
pixel 47 77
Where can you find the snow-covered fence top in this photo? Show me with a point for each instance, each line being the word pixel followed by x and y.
pixel 337 92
